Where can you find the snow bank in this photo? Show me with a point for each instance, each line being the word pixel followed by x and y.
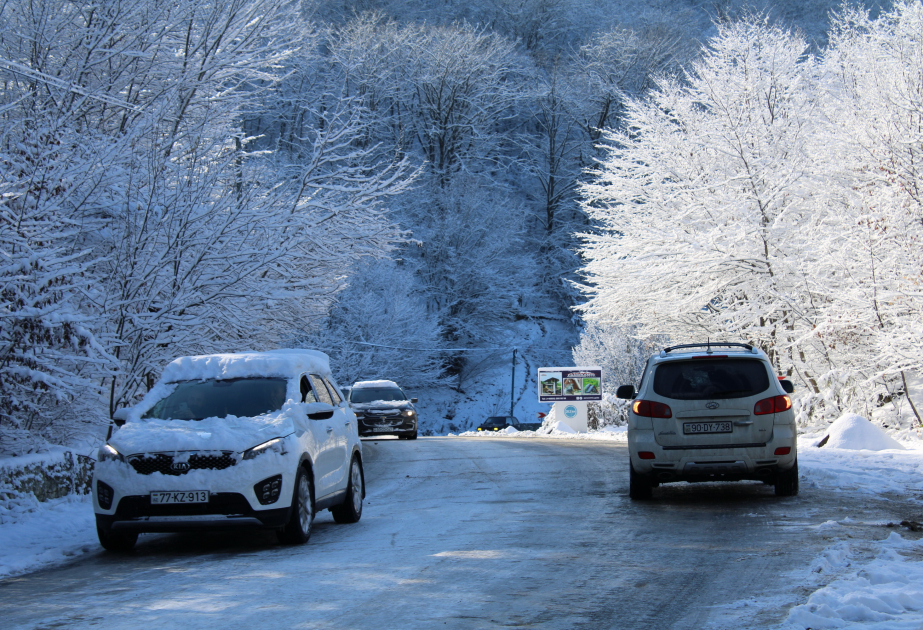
pixel 853 432
pixel 556 431
pixel 884 594
pixel 42 534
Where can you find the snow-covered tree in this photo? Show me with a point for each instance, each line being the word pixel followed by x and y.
pixel 705 203
pixel 380 328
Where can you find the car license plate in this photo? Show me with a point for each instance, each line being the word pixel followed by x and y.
pixel 690 428
pixel 380 429
pixel 186 496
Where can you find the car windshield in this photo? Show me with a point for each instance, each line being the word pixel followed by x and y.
pixel 708 379
pixel 242 397
pixel 371 394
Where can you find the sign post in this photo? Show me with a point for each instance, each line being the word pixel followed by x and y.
pixel 570 389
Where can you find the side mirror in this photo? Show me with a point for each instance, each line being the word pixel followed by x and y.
pixel 318 411
pixel 625 392
pixel 787 386
pixel 120 417
pixel 414 400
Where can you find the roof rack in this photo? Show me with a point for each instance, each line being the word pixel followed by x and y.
pixel 708 345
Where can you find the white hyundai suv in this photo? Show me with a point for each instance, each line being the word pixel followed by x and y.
pixel 255 439
pixel 711 412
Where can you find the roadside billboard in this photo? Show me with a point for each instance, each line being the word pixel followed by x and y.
pixel 570 384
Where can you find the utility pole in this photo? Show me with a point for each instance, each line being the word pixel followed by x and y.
pixel 513 382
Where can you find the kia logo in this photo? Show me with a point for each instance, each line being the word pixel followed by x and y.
pixel 712 405
pixel 180 467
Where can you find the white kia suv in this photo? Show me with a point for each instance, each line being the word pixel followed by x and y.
pixel 255 439
pixel 711 412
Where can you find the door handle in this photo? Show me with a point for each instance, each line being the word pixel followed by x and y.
pixel 329 429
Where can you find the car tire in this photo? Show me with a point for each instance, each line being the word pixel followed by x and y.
pixel 298 529
pixel 787 482
pixel 116 541
pixel 350 511
pixel 639 486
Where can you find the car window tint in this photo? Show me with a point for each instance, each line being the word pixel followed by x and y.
pixel 322 394
pixel 707 379
pixel 307 393
pixel 241 397
pixel 334 395
pixel 372 394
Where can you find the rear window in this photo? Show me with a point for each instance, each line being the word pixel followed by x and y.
pixel 707 379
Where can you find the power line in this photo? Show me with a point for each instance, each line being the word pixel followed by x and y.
pixel 506 349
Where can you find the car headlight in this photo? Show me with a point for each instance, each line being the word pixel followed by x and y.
pixel 409 413
pixel 276 445
pixel 108 454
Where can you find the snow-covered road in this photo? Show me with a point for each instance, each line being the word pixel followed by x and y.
pixel 476 533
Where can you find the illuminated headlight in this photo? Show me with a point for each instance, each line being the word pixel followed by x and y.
pixel 480 429
pixel 108 454
pixel 276 445
pixel 409 413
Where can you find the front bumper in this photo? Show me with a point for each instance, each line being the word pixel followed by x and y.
pixel 223 510
pixel 368 426
pixel 232 496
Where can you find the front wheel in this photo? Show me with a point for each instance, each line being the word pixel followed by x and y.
pixel 298 529
pixel 116 541
pixel 350 511
pixel 639 486
pixel 787 482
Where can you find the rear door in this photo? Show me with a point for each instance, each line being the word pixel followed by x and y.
pixel 335 428
pixel 712 401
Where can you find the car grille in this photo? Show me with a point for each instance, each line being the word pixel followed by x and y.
pixel 164 464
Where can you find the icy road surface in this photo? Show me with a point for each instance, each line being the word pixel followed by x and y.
pixel 475 533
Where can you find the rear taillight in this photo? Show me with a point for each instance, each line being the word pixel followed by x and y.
pixel 651 409
pixel 776 404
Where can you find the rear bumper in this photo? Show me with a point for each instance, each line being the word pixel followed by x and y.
pixel 736 462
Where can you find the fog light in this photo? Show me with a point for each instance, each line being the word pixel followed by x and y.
pixel 783 450
pixel 104 495
pixel 267 491
pixel 646 455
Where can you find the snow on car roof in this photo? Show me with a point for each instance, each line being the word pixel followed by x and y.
pixel 284 362
pixel 364 384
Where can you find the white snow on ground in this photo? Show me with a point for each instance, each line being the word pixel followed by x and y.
pixel 884 593
pixel 39 534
